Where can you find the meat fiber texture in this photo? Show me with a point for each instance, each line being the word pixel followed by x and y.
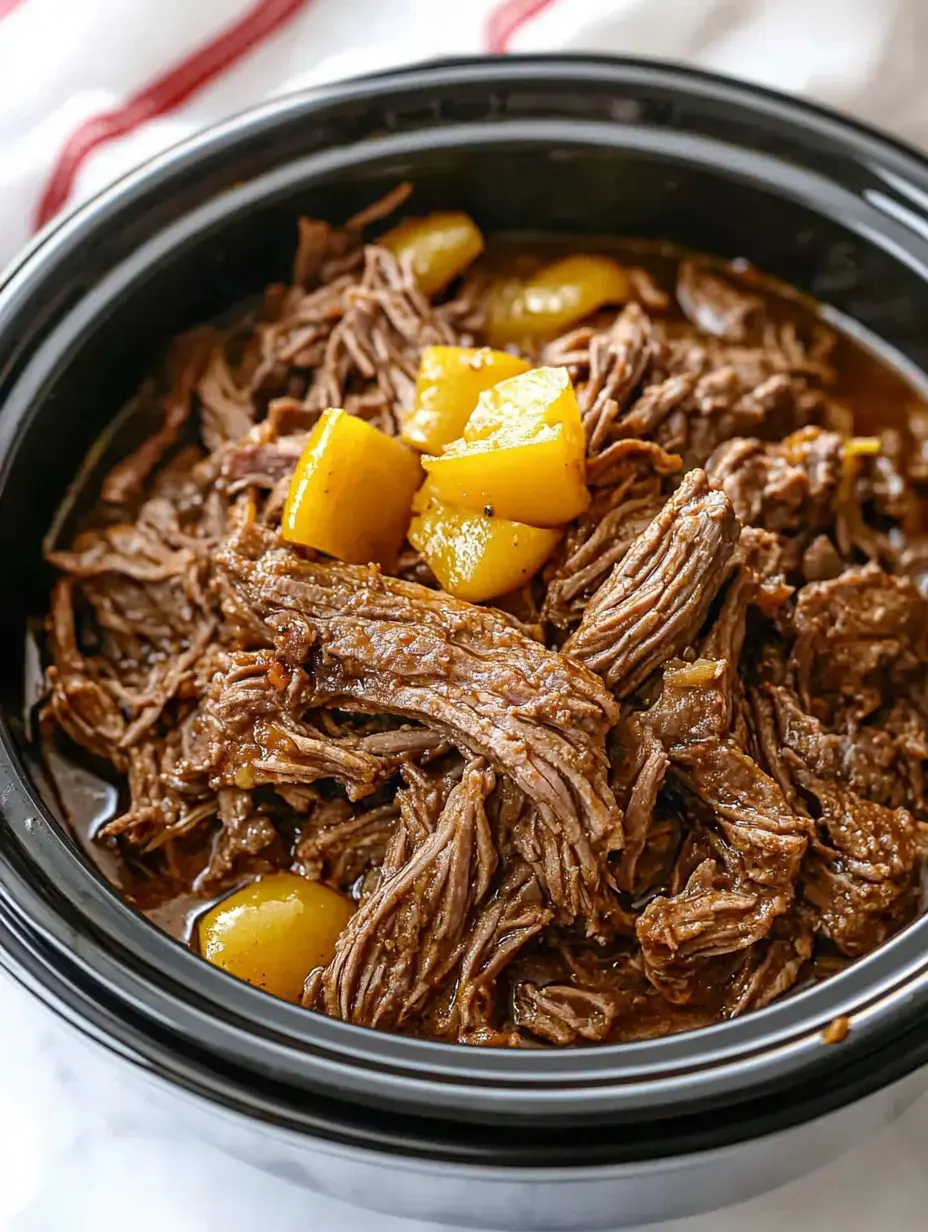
pixel 680 771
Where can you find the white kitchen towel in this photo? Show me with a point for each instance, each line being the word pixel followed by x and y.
pixel 91 88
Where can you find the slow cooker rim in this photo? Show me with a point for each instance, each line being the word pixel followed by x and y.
pixel 828 119
pixel 666 1149
pixel 272 113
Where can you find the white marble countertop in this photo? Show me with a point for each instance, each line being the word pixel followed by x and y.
pixel 77 1155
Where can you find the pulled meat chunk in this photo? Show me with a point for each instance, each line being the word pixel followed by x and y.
pixel 574 998
pixel 384 645
pixel 713 305
pixel 655 600
pixel 856 636
pixel 248 731
pixel 618 359
pixel 861 870
pixel 408 937
pixel 596 543
pixel 338 844
pixel 79 699
pixel 751 842
pixel 514 913
pixel 772 966
pixel 639 768
pixel 786 486
pixel 382 314
pixel 754 844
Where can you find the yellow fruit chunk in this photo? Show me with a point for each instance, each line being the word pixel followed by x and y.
pixel 522 455
pixel 273 932
pixel 476 557
pixel 450 381
pixel 439 246
pixel 555 298
pixel 351 492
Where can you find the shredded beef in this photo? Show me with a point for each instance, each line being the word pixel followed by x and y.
pixel 261 459
pixel 384 645
pixel 586 998
pixel 596 543
pixel 514 913
pixel 671 777
pixel 855 636
pixel 189 359
pixel 861 869
pixel 408 938
pixel 617 361
pixel 78 697
pixel 752 841
pixel 772 966
pixel 713 305
pixel 250 731
pixel 656 598
pixel 639 768
pixel 786 486
pixel 338 845
pixel 385 322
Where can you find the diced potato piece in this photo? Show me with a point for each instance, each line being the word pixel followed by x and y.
pixel 555 298
pixel 424 497
pixel 273 932
pixel 450 381
pixel 522 455
pixel 440 246
pixel 351 493
pixel 476 557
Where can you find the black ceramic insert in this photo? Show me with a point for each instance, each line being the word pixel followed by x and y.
pixel 553 144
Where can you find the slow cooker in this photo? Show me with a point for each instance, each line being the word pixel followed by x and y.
pixel 526 1139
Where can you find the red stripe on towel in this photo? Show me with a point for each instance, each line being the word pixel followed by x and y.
pixel 507 19
pixel 7 7
pixel 164 94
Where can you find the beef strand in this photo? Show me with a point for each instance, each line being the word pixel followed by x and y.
pixel 408 937
pixel 380 644
pixel 656 599
pixel 752 841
